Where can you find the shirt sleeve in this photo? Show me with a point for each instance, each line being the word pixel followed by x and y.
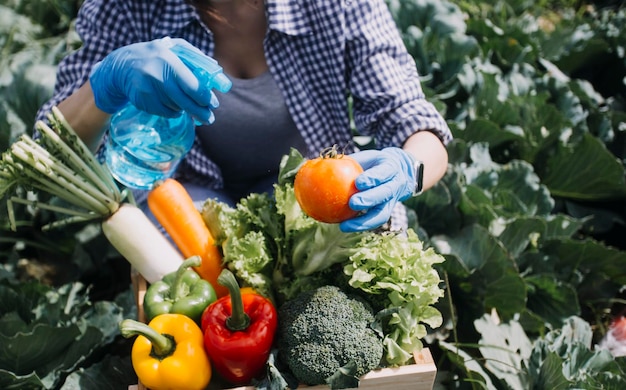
pixel 388 101
pixel 102 27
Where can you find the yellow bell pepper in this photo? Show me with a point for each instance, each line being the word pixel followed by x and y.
pixel 169 353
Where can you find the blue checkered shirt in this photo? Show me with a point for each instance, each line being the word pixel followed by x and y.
pixel 319 52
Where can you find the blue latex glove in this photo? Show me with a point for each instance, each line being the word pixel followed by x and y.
pixel 388 178
pixel 156 80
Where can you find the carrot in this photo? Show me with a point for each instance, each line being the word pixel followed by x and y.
pixel 172 206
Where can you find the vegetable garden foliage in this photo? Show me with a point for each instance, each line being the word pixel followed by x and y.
pixel 531 213
pixel 530 217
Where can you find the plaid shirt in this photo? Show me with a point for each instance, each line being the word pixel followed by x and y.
pixel 319 52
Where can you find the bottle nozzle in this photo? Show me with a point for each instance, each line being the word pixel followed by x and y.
pixel 222 83
pixel 203 66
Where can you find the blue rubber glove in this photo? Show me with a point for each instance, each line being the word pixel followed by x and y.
pixel 156 80
pixel 388 178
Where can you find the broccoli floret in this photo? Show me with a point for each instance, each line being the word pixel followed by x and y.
pixel 324 330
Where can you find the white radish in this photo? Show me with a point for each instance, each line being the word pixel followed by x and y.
pixel 61 165
pixel 132 233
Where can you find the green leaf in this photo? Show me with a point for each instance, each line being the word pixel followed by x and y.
pixel 588 257
pixel 78 352
pixel 436 208
pixel 51 331
pixel 518 178
pixel 468 364
pixel 495 278
pixel 289 166
pixel 505 347
pixel 561 226
pixel 344 378
pixel 507 190
pixel 551 299
pixel 484 130
pixel 22 299
pixel 11 381
pixel 31 87
pixel 16 31
pixel 585 171
pixel 111 373
pixel 23 353
pixel 550 375
pixel 564 359
pixel 8 299
pixel 520 232
pixel 106 316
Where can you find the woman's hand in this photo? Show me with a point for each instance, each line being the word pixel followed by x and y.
pixel 389 178
pixel 156 80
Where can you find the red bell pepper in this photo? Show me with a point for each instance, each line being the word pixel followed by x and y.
pixel 238 332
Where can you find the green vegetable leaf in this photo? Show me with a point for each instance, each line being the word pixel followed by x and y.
pixel 289 166
pixel 9 380
pixel 78 352
pixel 23 353
pixel 561 226
pixel 508 190
pixel 395 271
pixel 495 281
pixel 344 378
pixel 320 246
pixel 551 299
pixel 468 363
pixel 49 332
pixel 585 171
pixel 588 257
pixel 505 347
pixel 521 232
pixel 550 375
pixel 436 208
pixel 564 359
pixel 111 373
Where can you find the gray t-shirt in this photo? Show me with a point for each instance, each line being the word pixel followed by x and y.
pixel 252 131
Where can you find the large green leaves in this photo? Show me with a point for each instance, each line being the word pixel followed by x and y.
pixel 536 173
pixel 34 36
pixel 563 359
pixel 47 332
pixel 481 264
pixel 585 170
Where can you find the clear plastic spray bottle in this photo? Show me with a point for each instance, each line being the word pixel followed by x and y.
pixel 142 148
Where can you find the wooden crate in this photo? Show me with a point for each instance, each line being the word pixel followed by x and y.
pixel 417 376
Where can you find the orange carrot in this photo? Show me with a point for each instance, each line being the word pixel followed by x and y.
pixel 173 207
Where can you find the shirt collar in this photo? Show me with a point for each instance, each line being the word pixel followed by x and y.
pixel 185 14
pixel 287 16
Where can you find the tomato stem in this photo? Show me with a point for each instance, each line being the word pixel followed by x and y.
pixel 331 152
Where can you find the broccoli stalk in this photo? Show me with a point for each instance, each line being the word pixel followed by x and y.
pixel 324 337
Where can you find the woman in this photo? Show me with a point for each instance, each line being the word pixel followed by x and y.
pixel 293 65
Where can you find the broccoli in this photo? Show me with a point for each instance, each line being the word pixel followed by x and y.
pixel 324 337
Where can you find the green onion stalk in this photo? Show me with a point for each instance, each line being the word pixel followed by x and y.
pixel 59 164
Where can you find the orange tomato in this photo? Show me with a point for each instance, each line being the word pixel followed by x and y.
pixel 324 185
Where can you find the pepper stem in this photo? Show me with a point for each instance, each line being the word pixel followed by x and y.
pixel 238 319
pixel 178 287
pixel 162 346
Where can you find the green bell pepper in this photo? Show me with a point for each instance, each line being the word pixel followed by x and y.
pixel 181 292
